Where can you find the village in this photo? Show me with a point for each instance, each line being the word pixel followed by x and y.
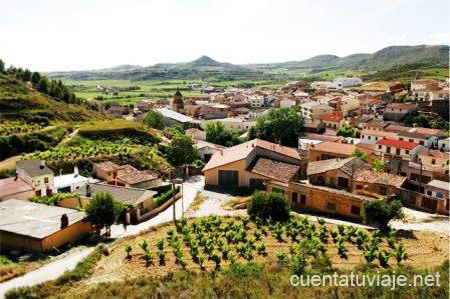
pixel 329 173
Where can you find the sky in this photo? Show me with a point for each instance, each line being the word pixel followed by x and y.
pixel 62 35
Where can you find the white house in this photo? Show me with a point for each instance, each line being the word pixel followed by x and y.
pixel 71 182
pixel 36 174
pixel 255 101
pixel 444 144
pixel 344 82
pixel 233 123
pixel 287 103
pixel 372 136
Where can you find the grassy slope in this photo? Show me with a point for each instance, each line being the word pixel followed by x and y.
pixel 17 101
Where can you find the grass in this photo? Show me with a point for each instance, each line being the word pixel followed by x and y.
pixel 10 269
pixel 198 200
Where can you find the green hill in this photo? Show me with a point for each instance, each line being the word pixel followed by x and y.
pixel 206 67
pixel 19 101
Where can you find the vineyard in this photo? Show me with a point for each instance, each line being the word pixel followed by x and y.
pixel 18 127
pixel 82 151
pixel 217 243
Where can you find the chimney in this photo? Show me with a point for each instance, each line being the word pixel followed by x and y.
pixel 88 190
pixel 16 177
pixel 64 221
pixel 42 164
pixel 221 152
pixel 75 170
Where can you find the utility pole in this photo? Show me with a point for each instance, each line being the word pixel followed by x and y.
pixel 173 196
pixel 420 176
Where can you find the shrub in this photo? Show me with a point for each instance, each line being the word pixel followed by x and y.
pixel 261 248
pixel 128 250
pixel 160 244
pixel 144 245
pixel 382 211
pixel 160 200
pixel 269 205
pixel 298 264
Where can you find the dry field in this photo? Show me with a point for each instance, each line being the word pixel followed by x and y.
pixel 423 249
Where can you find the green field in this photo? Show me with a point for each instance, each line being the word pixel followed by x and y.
pixel 151 89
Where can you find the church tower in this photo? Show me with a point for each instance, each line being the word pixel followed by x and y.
pixel 177 104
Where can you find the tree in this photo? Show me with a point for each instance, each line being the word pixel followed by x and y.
pixel 181 150
pixel 346 131
pixel 35 78
pixel 43 85
pixel 102 210
pixel 154 119
pixel 265 205
pixel 2 67
pixel 280 125
pixel 360 155
pixel 382 211
pixel 217 133
pixel 419 120
pixel 378 165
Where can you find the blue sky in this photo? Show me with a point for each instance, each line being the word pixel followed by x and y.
pixel 49 35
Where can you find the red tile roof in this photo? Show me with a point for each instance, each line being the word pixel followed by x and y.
pixel 398 143
pixel 241 151
pixel 276 170
pixel 373 177
pixel 332 118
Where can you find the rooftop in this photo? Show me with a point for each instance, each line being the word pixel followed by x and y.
pixel 335 147
pixel 241 151
pixel 131 175
pixel 131 196
pixel 439 184
pixel 273 169
pixel 332 117
pixel 434 153
pixel 398 143
pixel 346 165
pixel 12 185
pixel 389 135
pixel 108 166
pixel 383 178
pixel 68 179
pixel 33 219
pixel 34 167
pixel 174 115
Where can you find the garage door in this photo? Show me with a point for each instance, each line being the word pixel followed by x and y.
pixel 228 178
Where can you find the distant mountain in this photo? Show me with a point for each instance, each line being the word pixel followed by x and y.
pixel 206 67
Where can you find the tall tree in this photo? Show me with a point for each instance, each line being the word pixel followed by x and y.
pixel 217 133
pixel 154 119
pixel 280 125
pixel 382 211
pixel 26 76
pixel 35 78
pixel 2 67
pixel 101 210
pixel 43 85
pixel 181 150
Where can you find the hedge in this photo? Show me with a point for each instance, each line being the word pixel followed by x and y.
pixel 159 201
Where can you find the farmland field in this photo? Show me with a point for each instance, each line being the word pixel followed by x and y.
pixel 151 89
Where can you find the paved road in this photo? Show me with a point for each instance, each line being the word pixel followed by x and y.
pixel 47 272
pixel 55 269
pixel 190 189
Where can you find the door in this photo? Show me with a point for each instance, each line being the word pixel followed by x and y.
pixel 228 178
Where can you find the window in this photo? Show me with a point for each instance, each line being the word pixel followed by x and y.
pixel 382 190
pixel 258 184
pixel 358 187
pixel 331 206
pixel 302 199
pixel 401 139
pixel 407 152
pixel 397 151
pixel 355 210
pixel 429 193
pixel 439 194
pixel 411 140
pixel 433 161
pixel 228 177
pixel 388 150
pixel 46 180
pixel 343 182
pixel 294 198
pixel 421 142
pixel 379 147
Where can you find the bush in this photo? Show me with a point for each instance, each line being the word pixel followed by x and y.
pixel 382 211
pixel 268 205
pixel 159 201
